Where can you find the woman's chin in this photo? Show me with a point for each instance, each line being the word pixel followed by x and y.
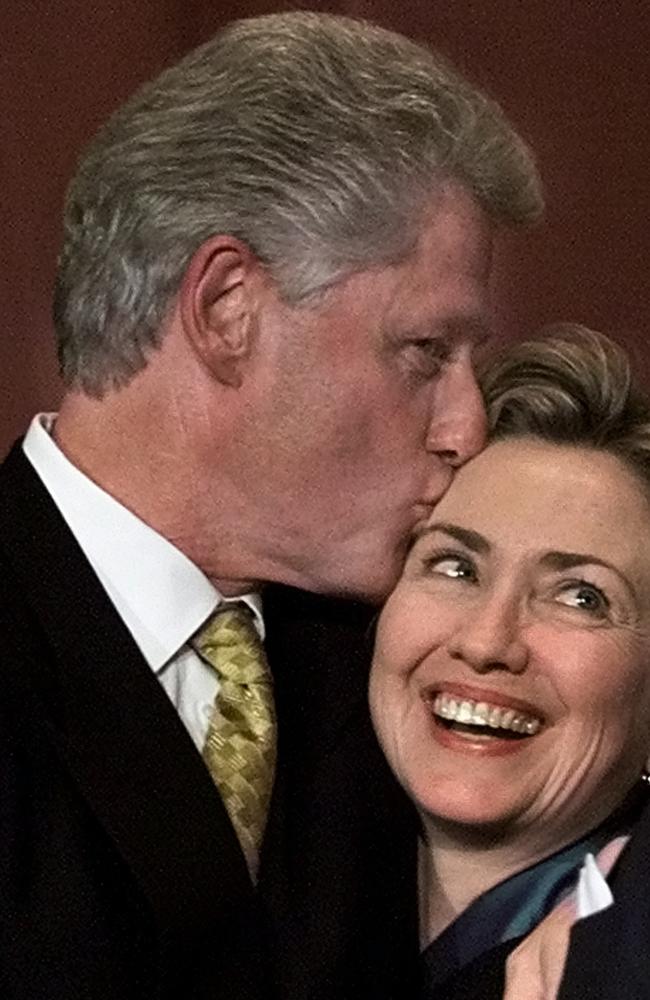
pixel 470 831
pixel 477 814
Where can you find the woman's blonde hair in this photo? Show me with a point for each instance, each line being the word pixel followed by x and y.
pixel 571 386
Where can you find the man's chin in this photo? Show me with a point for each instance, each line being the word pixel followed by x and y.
pixel 379 586
pixel 372 588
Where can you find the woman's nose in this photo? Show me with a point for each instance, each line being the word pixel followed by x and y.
pixel 491 638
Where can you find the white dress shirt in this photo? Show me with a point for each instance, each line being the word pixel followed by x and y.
pixel 159 594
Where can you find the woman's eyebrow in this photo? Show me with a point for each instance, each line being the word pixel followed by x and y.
pixel 471 539
pixel 567 560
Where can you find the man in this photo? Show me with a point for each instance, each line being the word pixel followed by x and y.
pixel 273 278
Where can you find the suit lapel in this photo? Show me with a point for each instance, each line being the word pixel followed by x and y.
pixel 115 727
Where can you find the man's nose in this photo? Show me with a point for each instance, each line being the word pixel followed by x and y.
pixel 458 425
pixel 491 637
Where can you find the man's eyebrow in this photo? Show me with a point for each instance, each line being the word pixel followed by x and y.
pixel 471 539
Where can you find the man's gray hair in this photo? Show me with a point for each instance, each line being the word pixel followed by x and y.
pixel 317 140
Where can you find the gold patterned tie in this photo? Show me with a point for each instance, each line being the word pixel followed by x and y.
pixel 240 745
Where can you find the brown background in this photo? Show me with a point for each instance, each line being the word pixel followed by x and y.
pixel 573 74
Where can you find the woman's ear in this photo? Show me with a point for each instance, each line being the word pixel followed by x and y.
pixel 216 302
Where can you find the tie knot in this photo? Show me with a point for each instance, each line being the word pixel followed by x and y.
pixel 231 644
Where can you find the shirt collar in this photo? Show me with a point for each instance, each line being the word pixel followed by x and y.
pixel 161 596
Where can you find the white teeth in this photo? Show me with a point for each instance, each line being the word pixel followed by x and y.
pixel 507 718
pixel 480 713
pixel 465 712
pixel 494 718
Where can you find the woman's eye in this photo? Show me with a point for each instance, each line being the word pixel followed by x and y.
pixel 454 567
pixel 585 597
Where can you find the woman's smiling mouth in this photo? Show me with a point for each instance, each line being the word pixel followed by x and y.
pixel 475 719
pixel 484 716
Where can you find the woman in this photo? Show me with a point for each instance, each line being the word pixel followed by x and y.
pixel 511 683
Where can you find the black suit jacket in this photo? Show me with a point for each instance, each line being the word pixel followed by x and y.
pixel 120 875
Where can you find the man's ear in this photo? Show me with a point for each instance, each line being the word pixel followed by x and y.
pixel 216 301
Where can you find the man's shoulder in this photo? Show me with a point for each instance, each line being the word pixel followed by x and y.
pixel 41 564
pixel 12 460
pixel 20 486
pixel 27 511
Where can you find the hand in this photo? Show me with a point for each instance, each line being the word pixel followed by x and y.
pixel 534 969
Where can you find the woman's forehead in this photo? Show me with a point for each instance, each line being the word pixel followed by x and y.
pixel 554 496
